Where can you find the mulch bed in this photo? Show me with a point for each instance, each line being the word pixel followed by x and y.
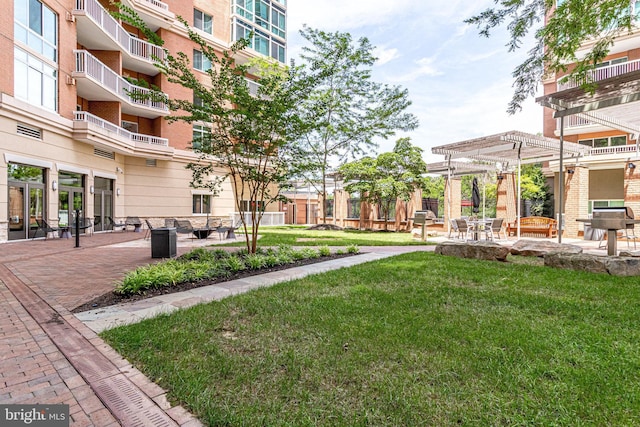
pixel 111 298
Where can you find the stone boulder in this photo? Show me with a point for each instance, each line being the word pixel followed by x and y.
pixel 630 253
pixel 613 265
pixel 539 248
pixel 580 262
pixel 475 250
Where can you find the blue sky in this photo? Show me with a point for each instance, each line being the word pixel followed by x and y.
pixel 459 82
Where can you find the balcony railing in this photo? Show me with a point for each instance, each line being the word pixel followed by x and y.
pixel 572 122
pixel 158 4
pixel 615 149
pixel 109 79
pixel 135 46
pixel 83 116
pixel 602 74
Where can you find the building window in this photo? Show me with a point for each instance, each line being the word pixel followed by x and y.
pixel 278 23
pixel 264 24
pixel 391 214
pixel 201 203
pixel 611 141
pixel 35 54
pixel 605 204
pixel 200 61
pixel 35 26
pixel 353 208
pixel 329 205
pixel 201 137
pixel 203 21
pixel 130 126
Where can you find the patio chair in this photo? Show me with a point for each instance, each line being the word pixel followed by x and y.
pixel 454 227
pixel 111 223
pixel 183 226
pixel 147 233
pixel 463 228
pixel 494 229
pixel 46 228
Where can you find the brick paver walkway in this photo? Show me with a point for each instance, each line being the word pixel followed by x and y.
pixel 50 357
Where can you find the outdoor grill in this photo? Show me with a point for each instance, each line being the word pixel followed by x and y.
pixel 612 219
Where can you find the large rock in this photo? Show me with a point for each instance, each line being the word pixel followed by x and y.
pixel 541 247
pixel 580 262
pixel 623 266
pixel 613 265
pixel 476 250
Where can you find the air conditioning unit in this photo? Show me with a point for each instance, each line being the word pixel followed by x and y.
pixel 71 17
pixel 71 81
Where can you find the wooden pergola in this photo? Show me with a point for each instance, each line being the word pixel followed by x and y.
pixel 510 150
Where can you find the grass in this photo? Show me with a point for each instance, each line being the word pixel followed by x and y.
pixel 301 236
pixel 417 339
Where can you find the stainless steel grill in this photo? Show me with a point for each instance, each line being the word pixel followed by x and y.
pixel 613 219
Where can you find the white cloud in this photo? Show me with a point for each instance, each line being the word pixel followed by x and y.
pixel 459 82
pixel 385 55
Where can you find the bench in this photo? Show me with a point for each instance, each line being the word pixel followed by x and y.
pixel 538 226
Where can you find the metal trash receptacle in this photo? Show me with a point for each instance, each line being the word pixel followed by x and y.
pixel 163 243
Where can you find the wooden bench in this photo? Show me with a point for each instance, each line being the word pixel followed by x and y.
pixel 535 225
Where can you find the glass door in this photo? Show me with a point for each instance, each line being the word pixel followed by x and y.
pixel 26 200
pixel 103 204
pixel 16 211
pixel 70 198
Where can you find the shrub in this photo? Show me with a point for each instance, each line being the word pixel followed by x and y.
pixel 255 261
pixel 324 250
pixel 353 249
pixel 274 260
pixel 234 263
pixel 310 253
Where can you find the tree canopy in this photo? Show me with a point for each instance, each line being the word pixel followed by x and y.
pixel 388 177
pixel 562 41
pixel 344 109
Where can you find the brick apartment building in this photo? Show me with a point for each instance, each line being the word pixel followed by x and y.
pixel 74 136
pixel 606 175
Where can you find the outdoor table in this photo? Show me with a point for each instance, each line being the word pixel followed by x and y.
pixel 202 233
pixel 478 226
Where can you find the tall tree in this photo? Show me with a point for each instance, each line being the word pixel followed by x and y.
pixel 568 27
pixel 386 178
pixel 345 110
pixel 247 128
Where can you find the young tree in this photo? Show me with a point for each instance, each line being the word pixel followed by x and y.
pixel 248 127
pixel 568 27
pixel 390 176
pixel 344 110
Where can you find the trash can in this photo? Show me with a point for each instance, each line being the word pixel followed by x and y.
pixel 163 243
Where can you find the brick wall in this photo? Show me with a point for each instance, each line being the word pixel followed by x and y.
pixel 107 110
pixel 507 197
pixel 632 189
pixel 453 199
pixel 576 200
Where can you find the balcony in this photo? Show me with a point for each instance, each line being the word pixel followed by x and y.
pixel 98 30
pixel 99 132
pixel 97 82
pixel 154 13
pixel 615 149
pixel 602 74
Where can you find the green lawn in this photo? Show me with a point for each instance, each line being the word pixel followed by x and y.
pixel 301 236
pixel 418 339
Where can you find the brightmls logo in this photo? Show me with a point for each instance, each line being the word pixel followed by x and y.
pixel 34 415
